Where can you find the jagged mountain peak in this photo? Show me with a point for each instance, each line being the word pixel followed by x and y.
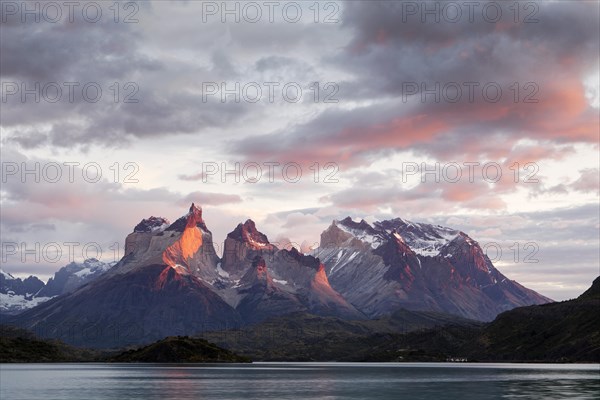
pixel 195 210
pixel 463 245
pixel 192 218
pixel 347 231
pixel 361 225
pixel 381 266
pixel 248 233
pixel 367 269
pixel 152 225
pixel 18 294
pixel 178 254
pixel 304 259
pixel 463 237
pixel 241 247
pixel 5 278
pixel 423 239
pixel 186 246
pixel 6 275
pixel 81 270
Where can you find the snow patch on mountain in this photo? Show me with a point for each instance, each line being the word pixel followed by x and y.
pixel 366 237
pixel 221 272
pixel 337 264
pixel 6 275
pixel 91 266
pixel 257 244
pixel 430 246
pixel 152 225
pixel 424 239
pixel 11 303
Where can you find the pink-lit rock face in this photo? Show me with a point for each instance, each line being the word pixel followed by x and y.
pixel 252 237
pixel 166 276
pixel 321 287
pixel 321 277
pixel 140 238
pixel 242 246
pixel 179 253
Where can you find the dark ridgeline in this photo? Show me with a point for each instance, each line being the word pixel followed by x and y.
pixel 567 331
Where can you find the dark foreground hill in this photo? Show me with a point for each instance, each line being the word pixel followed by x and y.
pixel 19 345
pixel 567 331
pixel 180 349
pixel 305 337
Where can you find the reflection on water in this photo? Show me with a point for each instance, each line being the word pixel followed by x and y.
pixel 299 381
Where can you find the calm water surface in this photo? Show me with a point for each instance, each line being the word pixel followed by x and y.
pixel 298 381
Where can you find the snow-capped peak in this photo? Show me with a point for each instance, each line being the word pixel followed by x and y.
pixel 194 209
pixel 361 230
pixel 6 275
pixel 423 239
pixel 89 266
pixel 248 233
pixel 152 224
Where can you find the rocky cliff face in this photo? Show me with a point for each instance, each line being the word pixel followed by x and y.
pixel 399 264
pixel 242 246
pixel 171 281
pixel 186 245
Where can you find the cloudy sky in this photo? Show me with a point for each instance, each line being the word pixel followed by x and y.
pixel 484 118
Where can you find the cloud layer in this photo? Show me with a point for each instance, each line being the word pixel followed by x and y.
pixel 394 97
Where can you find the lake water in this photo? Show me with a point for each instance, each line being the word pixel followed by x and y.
pixel 299 381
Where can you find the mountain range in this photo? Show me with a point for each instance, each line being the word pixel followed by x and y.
pixel 562 332
pixel 17 295
pixel 172 282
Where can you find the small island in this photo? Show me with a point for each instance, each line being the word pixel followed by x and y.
pixel 180 349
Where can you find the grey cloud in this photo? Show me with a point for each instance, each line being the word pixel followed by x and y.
pixel 389 51
pixel 102 53
pixel 417 52
pixel 588 181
